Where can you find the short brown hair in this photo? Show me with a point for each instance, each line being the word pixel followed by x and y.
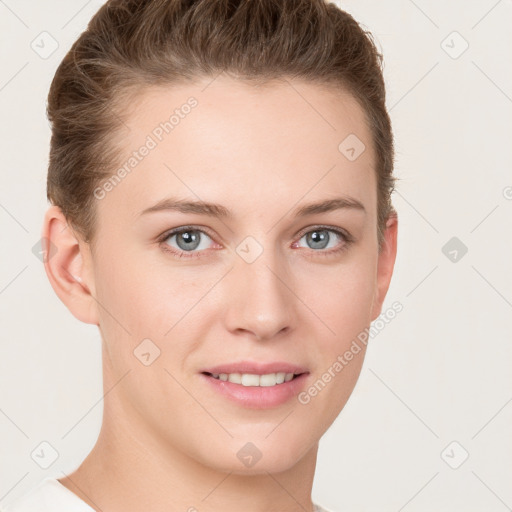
pixel 129 44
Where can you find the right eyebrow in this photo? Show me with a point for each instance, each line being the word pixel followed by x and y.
pixel 186 206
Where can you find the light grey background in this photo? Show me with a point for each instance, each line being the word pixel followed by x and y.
pixel 438 373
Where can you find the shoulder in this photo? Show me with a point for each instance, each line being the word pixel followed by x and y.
pixel 49 495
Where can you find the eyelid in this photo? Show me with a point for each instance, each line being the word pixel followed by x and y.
pixel 176 231
pixel 173 231
pixel 318 227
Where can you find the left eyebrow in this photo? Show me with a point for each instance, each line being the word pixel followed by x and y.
pixel 337 203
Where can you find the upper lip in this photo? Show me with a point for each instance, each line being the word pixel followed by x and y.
pixel 256 368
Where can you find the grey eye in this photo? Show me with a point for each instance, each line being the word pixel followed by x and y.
pixel 320 238
pixel 188 240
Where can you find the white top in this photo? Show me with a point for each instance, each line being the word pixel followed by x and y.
pixel 50 495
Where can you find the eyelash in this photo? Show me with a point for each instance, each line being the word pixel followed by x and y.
pixel 345 236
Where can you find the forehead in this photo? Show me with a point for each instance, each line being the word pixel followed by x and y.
pixel 275 142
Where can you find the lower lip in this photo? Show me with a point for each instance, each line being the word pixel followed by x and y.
pixel 258 397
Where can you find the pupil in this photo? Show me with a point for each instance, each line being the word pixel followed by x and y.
pixel 319 239
pixel 188 239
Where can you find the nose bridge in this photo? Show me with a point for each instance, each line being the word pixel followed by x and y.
pixel 261 301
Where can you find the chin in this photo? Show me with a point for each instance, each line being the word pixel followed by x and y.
pixel 253 455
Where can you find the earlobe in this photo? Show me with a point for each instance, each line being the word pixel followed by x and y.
pixel 67 267
pixel 386 263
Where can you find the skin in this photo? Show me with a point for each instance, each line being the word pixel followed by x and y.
pixel 168 441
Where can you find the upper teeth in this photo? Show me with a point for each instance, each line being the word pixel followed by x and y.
pixel 250 379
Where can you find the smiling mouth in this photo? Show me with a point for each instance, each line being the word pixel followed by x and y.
pixel 255 380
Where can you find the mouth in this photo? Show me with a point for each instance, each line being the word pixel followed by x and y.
pixel 254 379
pixel 256 385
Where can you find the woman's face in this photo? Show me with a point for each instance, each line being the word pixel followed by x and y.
pixel 252 285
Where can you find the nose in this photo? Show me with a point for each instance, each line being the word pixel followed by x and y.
pixel 260 299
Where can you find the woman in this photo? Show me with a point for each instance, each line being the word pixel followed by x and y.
pixel 220 182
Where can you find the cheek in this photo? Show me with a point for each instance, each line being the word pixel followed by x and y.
pixel 142 300
pixel 140 291
pixel 341 298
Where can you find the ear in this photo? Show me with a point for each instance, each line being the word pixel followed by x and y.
pixel 68 265
pixel 386 263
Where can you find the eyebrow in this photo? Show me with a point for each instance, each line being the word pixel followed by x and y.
pixel 217 210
